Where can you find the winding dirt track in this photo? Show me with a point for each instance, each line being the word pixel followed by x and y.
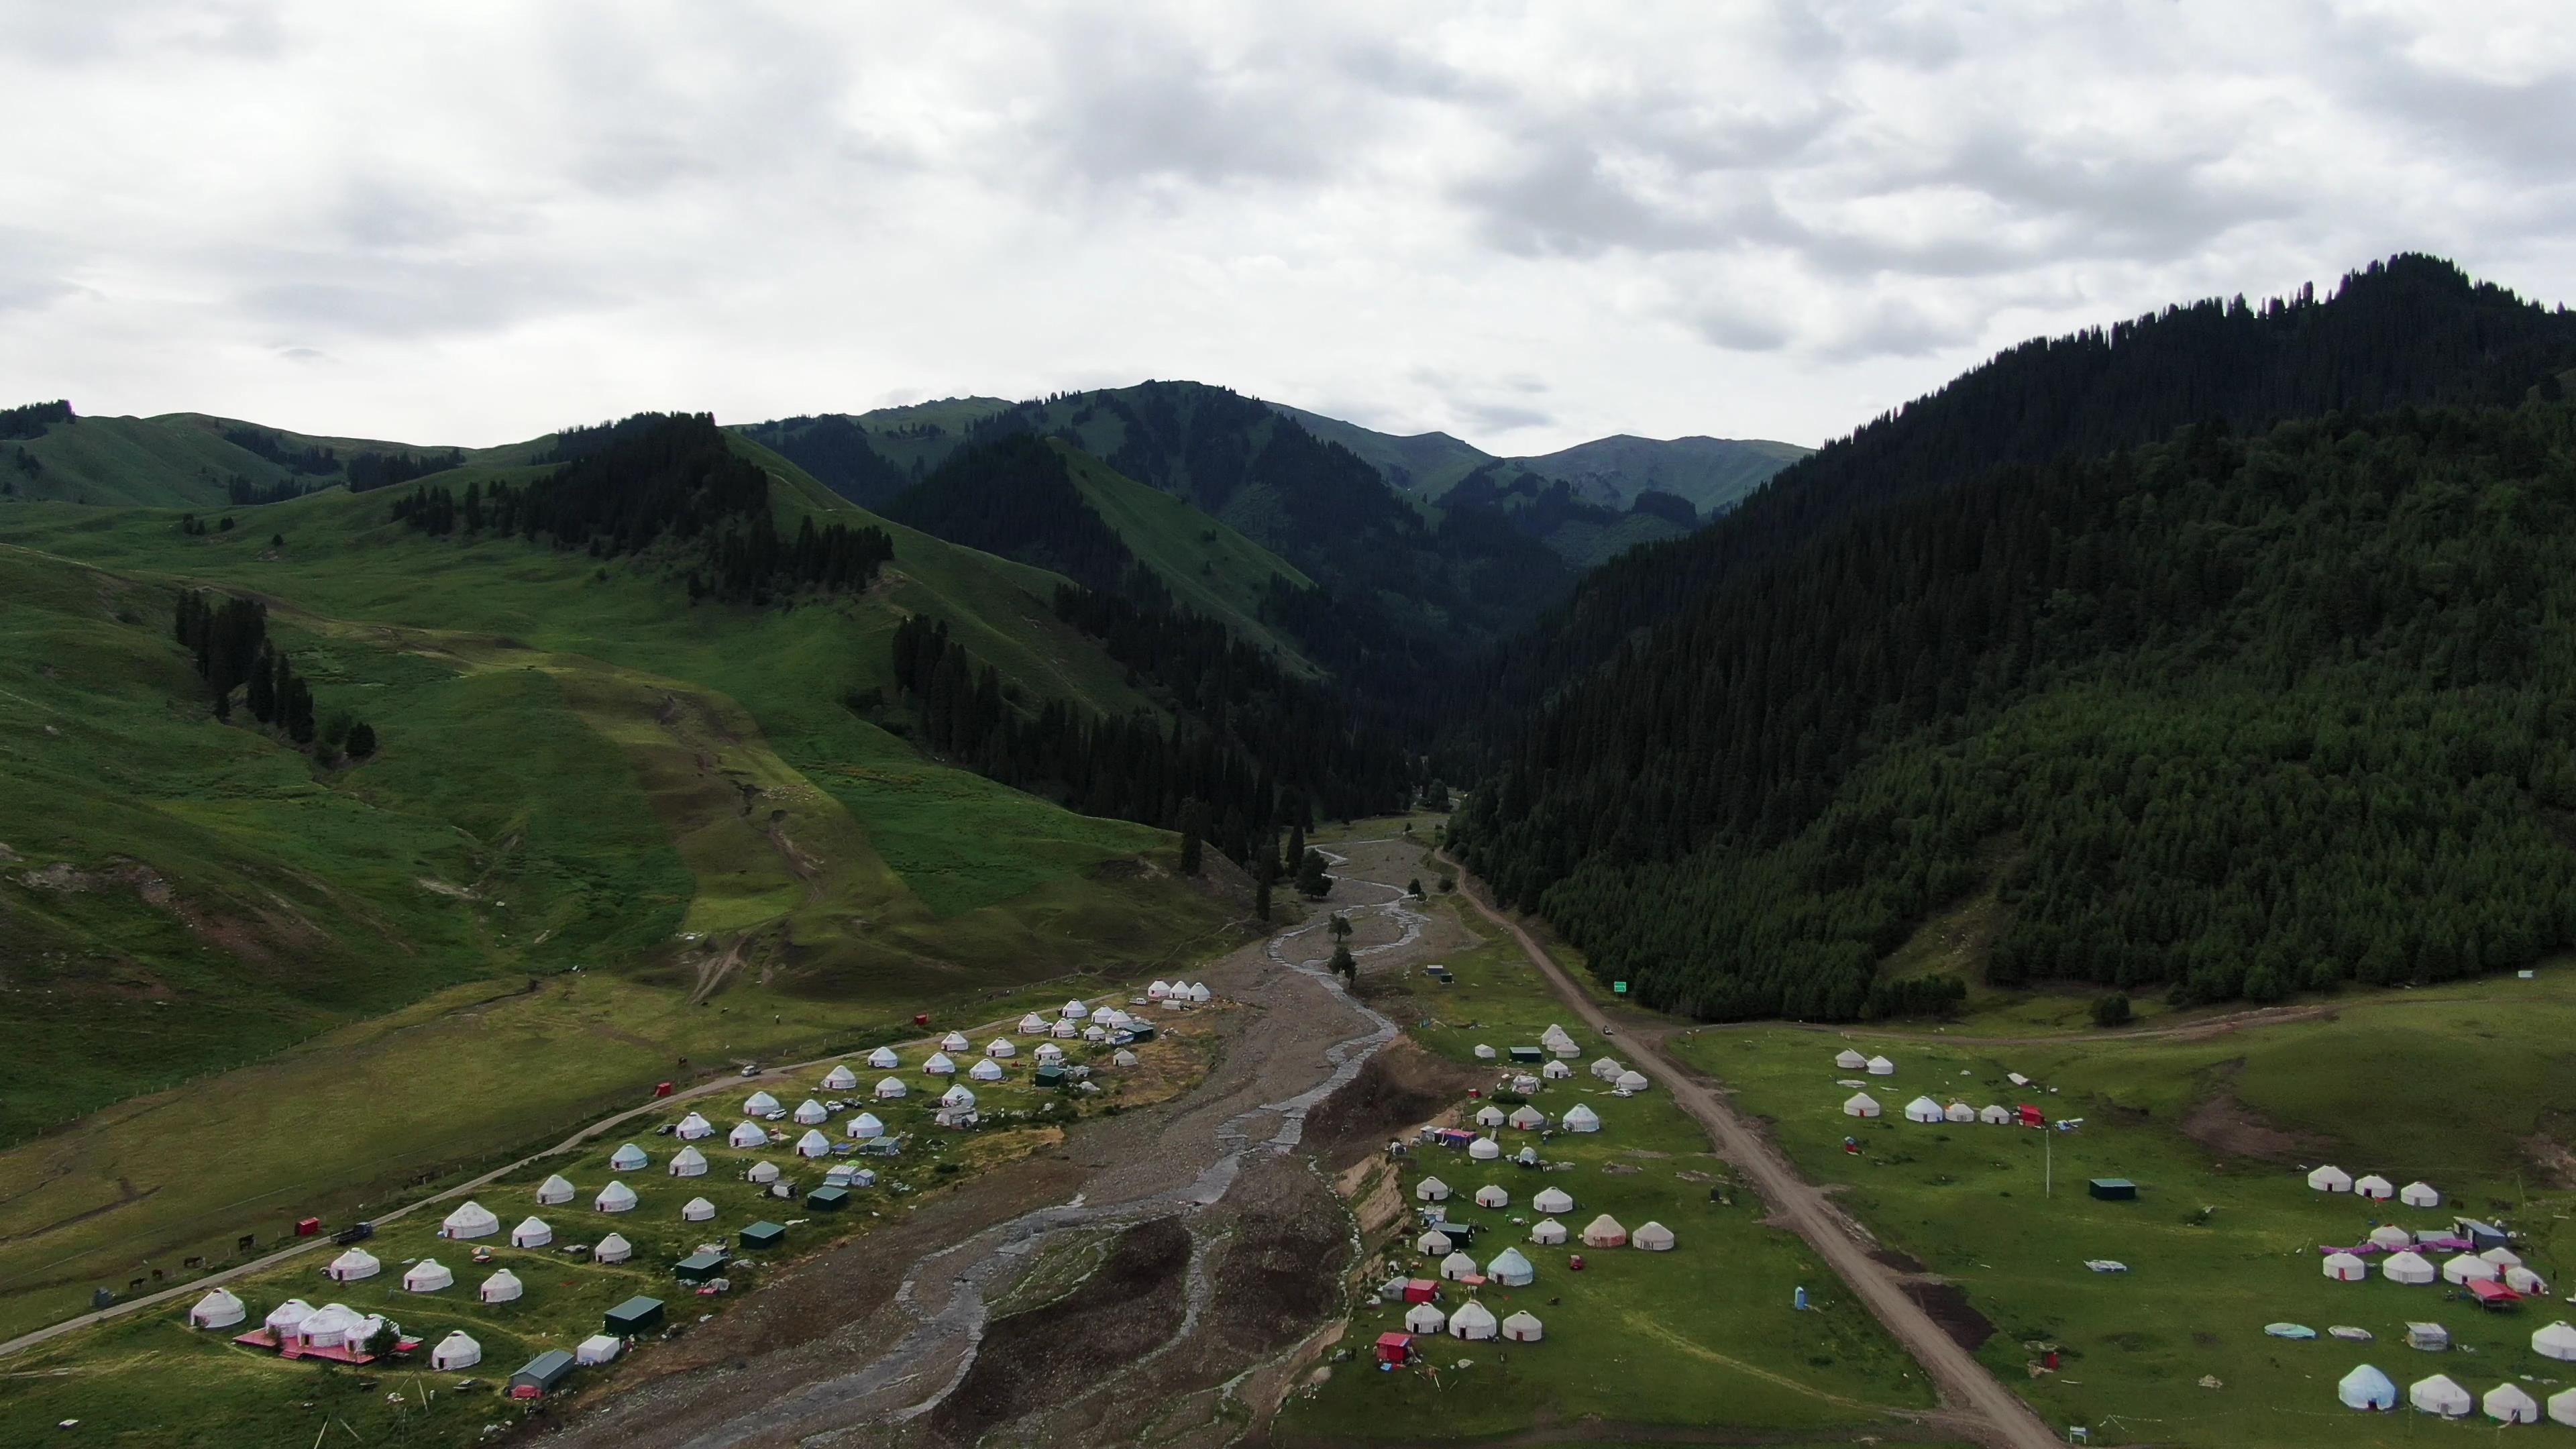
pixel 1979 1403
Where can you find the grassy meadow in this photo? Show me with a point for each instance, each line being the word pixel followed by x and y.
pixel 2463 1086
pixel 1699 1336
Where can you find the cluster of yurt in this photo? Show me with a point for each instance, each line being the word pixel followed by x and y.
pixel 2330 1178
pixel 1179 993
pixel 1557 1043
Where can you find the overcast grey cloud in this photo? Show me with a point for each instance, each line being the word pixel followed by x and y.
pixel 1524 223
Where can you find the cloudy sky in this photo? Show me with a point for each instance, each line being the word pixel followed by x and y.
pixel 1526 224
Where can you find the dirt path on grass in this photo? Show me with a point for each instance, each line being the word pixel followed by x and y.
pixel 1226 1246
pixel 1978 1404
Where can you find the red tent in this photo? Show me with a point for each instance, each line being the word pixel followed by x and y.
pixel 2032 1117
pixel 1394 1347
pixel 2491 1294
pixel 1420 1290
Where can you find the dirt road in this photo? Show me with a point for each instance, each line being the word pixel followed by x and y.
pixel 1982 1405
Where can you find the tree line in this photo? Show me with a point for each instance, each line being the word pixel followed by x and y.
pixel 32 419
pixel 2224 716
pixel 227 638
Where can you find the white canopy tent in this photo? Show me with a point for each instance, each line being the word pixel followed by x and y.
pixel 629 1158
pixel 2419 1195
pixel 688 1162
pixel 809 1112
pixel 218 1309
pixel 1472 1321
pixel 556 1189
pixel 1095 1032
pixel 353 1265
pixel 1158 990
pixel 1123 1058
pixel 747 1134
pixel 1923 1109
pixel 1048 1055
pixel 617 1197
pixel 2509 1404
pixel 612 1249
pixel 1580 1118
pixel 1551 1201
pixel 697 1210
pixel 840 1078
pixel 1653 1237
pixel 502 1287
pixel 1199 993
pixel 1064 1031
pixel 2330 1178
pixel 470 1220
pixel 457 1350
pixel 1547 1232
pixel 1511 1269
pixel 427 1276
pixel 1604 1232
pixel 693 1127
pixel 2346 1268
pixel 531 1233
pixel 1523 1327
pixel 2408 1267
pixel 2438 1395
pixel 2502 1257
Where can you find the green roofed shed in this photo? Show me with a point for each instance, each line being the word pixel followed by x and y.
pixel 2114 1189
pixel 761 1236
pixel 638 1314
pixel 699 1267
pixel 828 1199
pixel 1528 1054
pixel 1049 1075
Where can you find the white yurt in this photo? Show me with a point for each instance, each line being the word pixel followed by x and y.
pixel 2374 1186
pixel 629 1158
pixel 1580 1118
pixel 218 1309
pixel 502 1287
pixel 2391 1238
pixel 1526 1118
pixel 891 1088
pixel 2438 1395
pixel 427 1276
pixel 1547 1232
pixel 1424 1318
pixel 1923 1109
pixel 2346 1268
pixel 1064 1031
pixel 2366 1388
pixel 809 1112
pixel 1653 1237
pixel 1489 1115
pixel 1511 1269
pixel 2465 1268
pixel 329 1326
pixel 612 1249
pixel 1556 1071
pixel 883 1059
pixel 759 1104
pixel 1552 1200
pixel 1158 991
pixel 1110 1017
pixel 1199 993
pixel 1631 1080
pixel 985 1070
pixel 555 1189
pixel 1604 1232
pixel 762 1172
pixel 1525 1084
pixel 2502 1257
pixel 457 1350
pixel 2562 1408
pixel 1492 1195
pixel 1457 1265
pixel 1484 1149
pixel 1095 1032
pixel 617 1197
pixel 688 1162
pixel 840 1078
pixel 939 1065
pixel 353 1265
pixel 1431 1189
pixel 2408 1267
pixel 2509 1404
pixel 813 1144
pixel 1434 1244
pixel 470 1220
pixel 747 1134
pixel 1523 1327
pixel 1033 1025
pixel 2557 1341
pixel 1860 1104
pixel 693 1127
pixel 955 1041
pixel 2525 1282
pixel 1959 1112
pixel 2331 1178
pixel 1074 1011
pixel 1000 1046
pixel 1996 1115
pixel 1881 1067
pixel 2420 1195
pixel 697 1210
pixel 1485 1053
pixel 1607 1069
pixel 957 1096
pixel 1048 1055
pixel 1850 1060
pixel 1124 1058
pixel 1473 1321
pixel 287 1317
pixel 866 1128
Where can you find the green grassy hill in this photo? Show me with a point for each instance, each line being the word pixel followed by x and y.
pixel 176 460
pixel 1712 473
pixel 1212 570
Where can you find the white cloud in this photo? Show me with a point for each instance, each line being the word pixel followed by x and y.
pixel 1525 223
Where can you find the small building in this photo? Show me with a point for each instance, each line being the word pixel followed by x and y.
pixel 699 1267
pixel 762 1236
pixel 1048 1074
pixel 1420 1290
pixel 828 1199
pixel 1528 1054
pixel 638 1314
pixel 599 1348
pixel 2481 1235
pixel 2030 1116
pixel 2430 1337
pixel 1395 1348
pixel 2113 1189
pixel 542 1375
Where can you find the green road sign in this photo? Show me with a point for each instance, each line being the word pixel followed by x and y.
pixel 1620 987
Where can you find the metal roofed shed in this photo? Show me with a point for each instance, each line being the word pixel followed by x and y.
pixel 699 1267
pixel 828 1199
pixel 2113 1189
pixel 762 1236
pixel 542 1375
pixel 2430 1337
pixel 638 1314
